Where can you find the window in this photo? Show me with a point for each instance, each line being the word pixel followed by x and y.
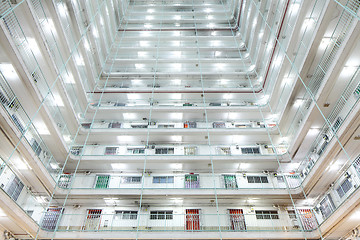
pixel 250 150
pixel 164 151
pixel 357 164
pixel 257 179
pixel 166 126
pixel 139 126
pixel 260 214
pixel 130 179
pixel 163 179
pixel 159 215
pixel 111 150
pixel 344 187
pixel 102 181
pixel 120 214
pixel 136 150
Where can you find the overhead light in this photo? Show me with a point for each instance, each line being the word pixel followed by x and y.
pixel 261 35
pixel 138 65
pixel 298 102
pixel 58 100
pixel 33 45
pixel 177 24
pixel 101 21
pixel 176 116
pixel 177 17
pixel 129 116
pixel 149 17
pixel 176 43
pixel 20 164
pixel 176 166
pixel 118 166
pixel 2 213
pixel 176 138
pixel 207 10
pixel 294 8
pixel 133 96
pixel 8 71
pixel 176 66
pixel 150 10
pixel 62 9
pixel 95 32
pixel 142 54
pixel 325 42
pixel 210 17
pixel 176 54
pixel 176 96
pixel 86 45
pixel 211 25
pixel 176 81
pixel 217 53
pixel 227 96
pixel 79 60
pixel 308 22
pixel 147 25
pixel 68 78
pixel 144 43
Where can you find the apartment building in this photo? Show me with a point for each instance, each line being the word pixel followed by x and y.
pixel 179 119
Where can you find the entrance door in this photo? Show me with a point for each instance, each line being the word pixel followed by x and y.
pixel 92 221
pixel 237 220
pixel 193 219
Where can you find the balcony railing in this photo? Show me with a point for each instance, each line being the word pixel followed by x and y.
pixel 178 150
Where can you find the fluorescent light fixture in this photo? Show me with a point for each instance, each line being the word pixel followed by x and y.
pixel 215 43
pixel 244 166
pixel 313 131
pixel 325 42
pixel 176 43
pixel 252 68
pixel 176 66
pixel 145 34
pixel 176 81
pixel 227 96
pixel 58 100
pixel 41 128
pixel 177 24
pixel 149 17
pixel 33 45
pixel 142 54
pixel 68 78
pixel 101 21
pixel 136 82
pixel 177 34
pixel 176 96
pixel 79 60
pixel 118 166
pixel 176 54
pixel 261 35
pixel 177 17
pixel 213 33
pixel 86 45
pixel 67 138
pixel 125 138
pixel 62 9
pixel 2 213
pixel 20 164
pixel 220 65
pixel 147 25
pixel 150 10
pixel 211 25
pixel 8 71
pixel 139 66
pixel 210 17
pixel 95 32
pixel 176 166
pixel 144 43
pixel 217 53
pixel 129 116
pixel 132 96
pixel 294 8
pixel 254 23
pixel 298 102
pixel 308 22
pixel 176 116
pixel 54 165
pixel 224 81
pixel 207 10
pixel 176 138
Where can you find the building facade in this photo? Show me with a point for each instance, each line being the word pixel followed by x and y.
pixel 179 119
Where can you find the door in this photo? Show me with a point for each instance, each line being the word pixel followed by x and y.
pixel 230 181
pixel 92 221
pixel 237 220
pixel 192 181
pixel 193 219
pixel 51 218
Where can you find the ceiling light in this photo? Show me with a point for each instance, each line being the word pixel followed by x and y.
pixel 176 66
pixel 298 102
pixel 176 54
pixel 129 116
pixel 227 96
pixel 144 43
pixel 217 53
pixel 79 60
pixel 261 35
pixel 176 96
pixel 95 32
pixel 211 25
pixel 118 166
pixel 177 17
pixel 207 10
pixel 176 166
pixel 150 10
pixel 325 42
pixel 147 25
pixel 210 17
pixel 308 22
pixel 176 138
pixel 69 78
pixel 8 71
pixel 132 96
pixel 86 45
pixel 101 21
pixel 149 17
pixel 62 9
pixel 177 24
pixel 2 213
pixel 33 45
pixel 176 43
pixel 139 66
pixel 295 8
pixel 142 54
pixel 176 81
